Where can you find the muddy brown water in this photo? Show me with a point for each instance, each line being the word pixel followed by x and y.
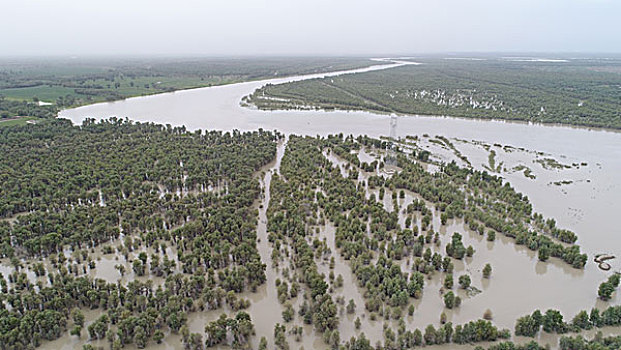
pixel 519 283
pixel 585 206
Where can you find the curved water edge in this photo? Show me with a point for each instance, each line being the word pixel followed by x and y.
pixel 586 206
pixel 77 114
pixel 218 107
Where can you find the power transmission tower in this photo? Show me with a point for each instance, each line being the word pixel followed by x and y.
pixel 391 157
pixel 393 127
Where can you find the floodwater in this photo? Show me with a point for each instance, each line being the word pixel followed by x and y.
pixel 508 292
pixel 219 108
pixel 586 203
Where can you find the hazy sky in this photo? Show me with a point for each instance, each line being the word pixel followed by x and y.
pixel 313 27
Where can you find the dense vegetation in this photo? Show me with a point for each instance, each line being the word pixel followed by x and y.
pixel 141 187
pixel 485 202
pixel 577 92
pixel 311 191
pixel 12 108
pixel 74 82
pixel 93 183
pixel 552 321
pixel 608 287
pixel 177 213
pixel 599 342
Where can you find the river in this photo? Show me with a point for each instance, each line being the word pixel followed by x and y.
pixel 588 205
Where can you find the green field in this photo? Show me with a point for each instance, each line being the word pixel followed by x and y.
pixel 20 121
pixel 69 83
pixel 44 93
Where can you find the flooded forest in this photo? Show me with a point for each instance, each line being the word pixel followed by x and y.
pixel 310 175
pixel 133 235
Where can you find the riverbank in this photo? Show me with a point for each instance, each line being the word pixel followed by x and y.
pixel 49 84
pixel 586 204
pixel 527 91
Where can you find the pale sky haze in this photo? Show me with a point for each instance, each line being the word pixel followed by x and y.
pixel 315 27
